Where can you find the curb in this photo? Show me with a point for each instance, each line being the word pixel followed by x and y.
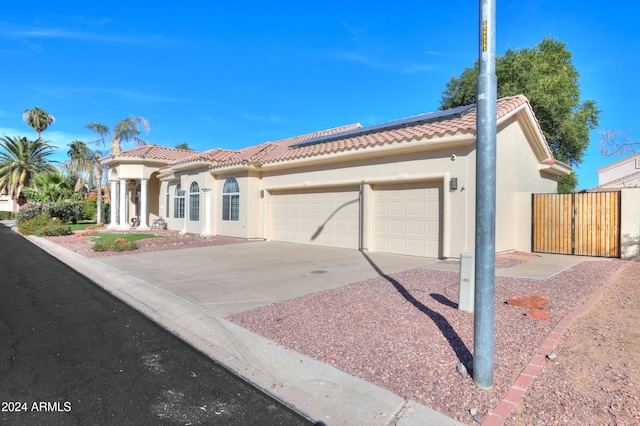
pixel 519 388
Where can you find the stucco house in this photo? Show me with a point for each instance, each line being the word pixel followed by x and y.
pixel 620 174
pixel 405 186
pixel 6 203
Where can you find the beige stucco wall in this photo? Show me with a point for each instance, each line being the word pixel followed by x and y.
pixel 517 177
pixel 630 224
pixel 244 227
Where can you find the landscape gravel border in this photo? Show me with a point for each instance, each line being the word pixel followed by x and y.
pixel 404 332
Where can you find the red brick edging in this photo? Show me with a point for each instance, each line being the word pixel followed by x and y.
pixel 502 411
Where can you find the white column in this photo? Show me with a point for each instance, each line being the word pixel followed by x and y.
pixel 113 201
pixel 186 214
pixel 365 218
pixel 207 211
pixel 143 204
pixel 123 203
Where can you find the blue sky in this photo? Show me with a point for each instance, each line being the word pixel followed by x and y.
pixel 214 74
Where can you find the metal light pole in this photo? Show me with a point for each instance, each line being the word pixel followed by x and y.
pixel 483 345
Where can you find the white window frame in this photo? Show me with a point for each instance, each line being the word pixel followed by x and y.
pixel 194 202
pixel 231 200
pixel 178 202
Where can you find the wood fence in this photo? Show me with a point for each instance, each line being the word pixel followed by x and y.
pixel 581 223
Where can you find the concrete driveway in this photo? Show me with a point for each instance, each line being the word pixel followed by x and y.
pixel 233 278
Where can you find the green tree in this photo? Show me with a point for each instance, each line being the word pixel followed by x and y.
pixel 124 131
pixel 38 119
pixel 185 146
pixel 546 75
pixel 20 161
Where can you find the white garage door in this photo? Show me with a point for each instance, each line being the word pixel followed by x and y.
pixel 328 217
pixel 407 219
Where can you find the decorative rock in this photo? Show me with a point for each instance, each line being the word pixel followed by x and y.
pixel 462 370
pixel 538 314
pixel 551 356
pixel 473 411
pixel 531 301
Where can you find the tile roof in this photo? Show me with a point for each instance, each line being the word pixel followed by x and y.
pixel 154 152
pixel 353 139
pixel 338 139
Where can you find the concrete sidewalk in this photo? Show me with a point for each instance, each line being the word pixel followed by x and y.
pixel 190 291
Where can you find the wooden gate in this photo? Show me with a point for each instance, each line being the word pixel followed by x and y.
pixel 585 223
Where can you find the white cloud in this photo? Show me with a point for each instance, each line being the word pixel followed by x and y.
pixel 395 66
pixel 64 34
pixel 262 118
pixel 64 92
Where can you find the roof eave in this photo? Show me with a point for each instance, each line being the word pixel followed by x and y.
pixel 111 160
pixel 191 165
pixel 556 168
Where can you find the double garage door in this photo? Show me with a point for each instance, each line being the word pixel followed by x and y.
pixel 404 219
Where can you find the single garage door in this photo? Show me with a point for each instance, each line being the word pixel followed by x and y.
pixel 328 217
pixel 407 219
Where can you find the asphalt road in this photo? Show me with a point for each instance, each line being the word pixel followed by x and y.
pixel 71 354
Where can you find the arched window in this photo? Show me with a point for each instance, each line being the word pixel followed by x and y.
pixel 178 202
pixel 231 200
pixel 194 202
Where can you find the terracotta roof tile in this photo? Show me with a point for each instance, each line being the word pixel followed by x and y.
pixel 155 152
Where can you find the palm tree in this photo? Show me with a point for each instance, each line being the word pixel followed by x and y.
pixel 83 159
pixel 21 161
pixel 38 119
pixel 124 131
pixel 50 187
pixel 79 159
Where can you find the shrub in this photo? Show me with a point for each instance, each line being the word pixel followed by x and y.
pixel 106 212
pixel 67 211
pixel 43 225
pixel 119 244
pixel 29 211
pixel 54 230
pixel 6 215
pixel 90 208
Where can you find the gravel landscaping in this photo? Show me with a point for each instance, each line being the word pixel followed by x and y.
pixel 404 333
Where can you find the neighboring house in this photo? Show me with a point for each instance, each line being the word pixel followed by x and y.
pixel 405 187
pixel 623 173
pixel 6 203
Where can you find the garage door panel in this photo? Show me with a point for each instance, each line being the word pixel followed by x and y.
pixel 325 217
pixel 407 219
pixel 416 227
